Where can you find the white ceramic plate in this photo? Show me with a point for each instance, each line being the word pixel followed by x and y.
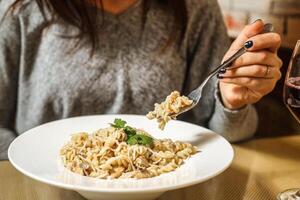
pixel 36 154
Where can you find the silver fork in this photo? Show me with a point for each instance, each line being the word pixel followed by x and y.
pixel 196 94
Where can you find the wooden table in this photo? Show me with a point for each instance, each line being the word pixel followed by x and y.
pixel 261 169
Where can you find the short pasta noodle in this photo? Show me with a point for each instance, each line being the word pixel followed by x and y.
pixel 105 154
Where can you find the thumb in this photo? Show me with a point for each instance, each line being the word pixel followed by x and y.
pixel 249 31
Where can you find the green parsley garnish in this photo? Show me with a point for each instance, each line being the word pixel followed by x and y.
pixel 129 131
pixel 132 136
pixel 140 139
pixel 118 123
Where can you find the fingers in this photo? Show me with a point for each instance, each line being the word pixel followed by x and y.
pixel 261 41
pixel 253 71
pixel 258 70
pixel 258 58
pixel 270 41
pixel 260 85
pixel 249 31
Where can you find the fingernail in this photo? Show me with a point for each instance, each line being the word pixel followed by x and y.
pixel 248 44
pixel 222 71
pixel 256 21
pixel 219 76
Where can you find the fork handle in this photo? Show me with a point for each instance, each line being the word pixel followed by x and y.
pixel 247 45
pixel 197 93
pixel 229 61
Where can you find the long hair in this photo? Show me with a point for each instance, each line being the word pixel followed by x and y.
pixel 82 14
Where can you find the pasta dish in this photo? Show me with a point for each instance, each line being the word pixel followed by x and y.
pixel 121 151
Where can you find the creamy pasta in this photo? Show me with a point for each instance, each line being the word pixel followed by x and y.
pixel 169 109
pixel 108 153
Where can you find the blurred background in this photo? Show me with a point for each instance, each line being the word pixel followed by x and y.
pixel 285 16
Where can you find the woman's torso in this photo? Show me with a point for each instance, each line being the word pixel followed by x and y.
pixel 128 72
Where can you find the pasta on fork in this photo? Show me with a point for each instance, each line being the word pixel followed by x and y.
pixel 169 109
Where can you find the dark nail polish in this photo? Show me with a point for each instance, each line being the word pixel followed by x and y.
pixel 222 71
pixel 219 76
pixel 248 44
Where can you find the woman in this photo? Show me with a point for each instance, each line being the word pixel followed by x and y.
pixel 67 58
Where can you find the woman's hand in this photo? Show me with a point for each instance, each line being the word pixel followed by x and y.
pixel 255 73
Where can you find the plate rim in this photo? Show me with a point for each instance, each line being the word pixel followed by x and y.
pixel 117 190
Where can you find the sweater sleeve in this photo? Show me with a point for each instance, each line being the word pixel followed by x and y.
pixel 9 62
pixel 207 45
pixel 234 125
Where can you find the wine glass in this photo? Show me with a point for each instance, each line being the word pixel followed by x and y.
pixel 291 97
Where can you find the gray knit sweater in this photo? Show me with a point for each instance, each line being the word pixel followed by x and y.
pixel 42 77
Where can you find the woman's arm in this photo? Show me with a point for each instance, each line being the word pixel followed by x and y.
pixel 208 44
pixel 254 74
pixel 9 61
